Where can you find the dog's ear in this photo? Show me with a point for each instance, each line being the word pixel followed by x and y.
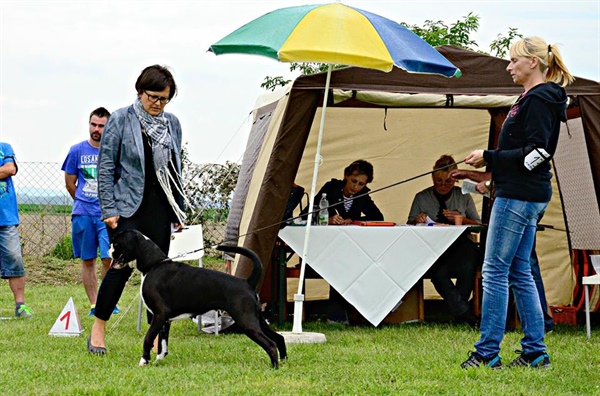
pixel 140 235
pixel 120 235
pixel 124 238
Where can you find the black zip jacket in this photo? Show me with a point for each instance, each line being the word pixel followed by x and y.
pixel 363 207
pixel 532 122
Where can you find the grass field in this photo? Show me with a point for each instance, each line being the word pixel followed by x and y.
pixel 41 208
pixel 409 359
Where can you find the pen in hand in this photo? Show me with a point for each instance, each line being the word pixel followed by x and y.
pixel 337 214
pixel 337 219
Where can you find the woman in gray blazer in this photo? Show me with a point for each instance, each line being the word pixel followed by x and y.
pixel 139 180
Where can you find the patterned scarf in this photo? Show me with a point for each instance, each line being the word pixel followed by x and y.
pixel 157 130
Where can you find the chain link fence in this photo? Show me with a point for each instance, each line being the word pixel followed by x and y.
pixel 45 208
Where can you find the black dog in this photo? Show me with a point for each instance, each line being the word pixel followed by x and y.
pixel 172 290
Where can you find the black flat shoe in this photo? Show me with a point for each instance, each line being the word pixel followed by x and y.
pixel 94 349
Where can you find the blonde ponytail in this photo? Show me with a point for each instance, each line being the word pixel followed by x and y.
pixel 551 61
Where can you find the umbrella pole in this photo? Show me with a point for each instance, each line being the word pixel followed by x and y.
pixel 299 297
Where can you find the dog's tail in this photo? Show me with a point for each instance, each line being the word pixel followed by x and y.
pixel 254 277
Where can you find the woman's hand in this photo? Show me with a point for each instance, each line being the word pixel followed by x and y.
pixel 475 159
pixel 339 220
pixel 112 222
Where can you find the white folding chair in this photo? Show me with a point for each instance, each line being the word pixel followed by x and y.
pixel 186 245
pixel 587 281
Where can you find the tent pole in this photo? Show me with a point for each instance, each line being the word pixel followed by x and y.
pixel 299 297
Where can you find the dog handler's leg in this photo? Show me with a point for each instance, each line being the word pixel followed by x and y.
pixel 155 343
pixel 97 336
pixel 109 293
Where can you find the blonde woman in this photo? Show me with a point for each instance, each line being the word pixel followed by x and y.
pixel 521 175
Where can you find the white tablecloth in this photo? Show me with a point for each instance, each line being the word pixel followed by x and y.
pixel 372 267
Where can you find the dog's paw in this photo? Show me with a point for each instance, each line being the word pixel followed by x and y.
pixel 143 362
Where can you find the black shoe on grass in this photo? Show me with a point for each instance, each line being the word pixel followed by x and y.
pixel 475 360
pixel 540 360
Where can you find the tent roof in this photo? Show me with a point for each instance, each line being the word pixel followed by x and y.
pixel 482 75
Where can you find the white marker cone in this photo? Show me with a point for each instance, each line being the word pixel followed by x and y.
pixel 67 324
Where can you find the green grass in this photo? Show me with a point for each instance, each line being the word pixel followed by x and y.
pixel 47 209
pixel 410 359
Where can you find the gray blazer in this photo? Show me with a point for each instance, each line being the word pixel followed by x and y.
pixel 121 162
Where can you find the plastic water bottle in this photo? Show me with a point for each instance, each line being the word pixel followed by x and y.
pixel 324 212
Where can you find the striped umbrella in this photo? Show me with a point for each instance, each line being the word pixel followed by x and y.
pixel 333 34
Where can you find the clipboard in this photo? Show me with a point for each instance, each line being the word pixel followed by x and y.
pixel 374 223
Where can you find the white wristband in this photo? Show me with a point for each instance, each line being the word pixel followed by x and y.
pixel 536 157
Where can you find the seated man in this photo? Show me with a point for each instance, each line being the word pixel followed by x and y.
pixel 441 203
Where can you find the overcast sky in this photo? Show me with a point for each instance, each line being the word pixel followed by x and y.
pixel 61 59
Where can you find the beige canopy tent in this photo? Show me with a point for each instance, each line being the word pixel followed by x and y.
pixel 402 123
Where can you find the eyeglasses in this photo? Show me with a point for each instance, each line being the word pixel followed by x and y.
pixel 154 98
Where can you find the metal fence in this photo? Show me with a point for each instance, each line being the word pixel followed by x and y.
pixel 45 210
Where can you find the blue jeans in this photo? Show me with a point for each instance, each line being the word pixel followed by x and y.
pixel 539 284
pixel 510 239
pixel 537 278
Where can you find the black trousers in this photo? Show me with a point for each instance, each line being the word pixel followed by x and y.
pixel 459 261
pixel 152 220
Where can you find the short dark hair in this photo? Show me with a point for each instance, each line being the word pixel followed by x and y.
pixel 100 112
pixel 360 167
pixel 445 163
pixel 156 78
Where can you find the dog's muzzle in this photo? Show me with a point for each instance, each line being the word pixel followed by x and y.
pixel 118 263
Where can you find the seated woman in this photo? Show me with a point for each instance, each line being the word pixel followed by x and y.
pixel 353 204
pixel 441 203
pixel 344 204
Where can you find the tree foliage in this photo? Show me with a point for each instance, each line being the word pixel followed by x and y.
pixel 435 33
pixel 501 45
pixel 209 189
pixel 439 33
pixel 273 83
